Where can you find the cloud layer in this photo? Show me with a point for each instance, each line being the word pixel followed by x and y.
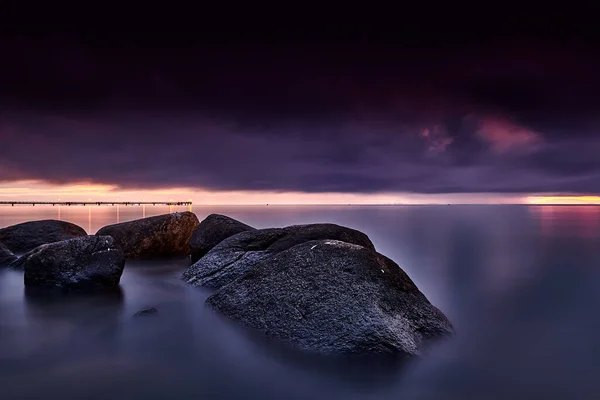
pixel 353 119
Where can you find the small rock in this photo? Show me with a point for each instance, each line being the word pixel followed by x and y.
pixel 146 312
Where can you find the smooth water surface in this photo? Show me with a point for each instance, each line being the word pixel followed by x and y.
pixel 521 285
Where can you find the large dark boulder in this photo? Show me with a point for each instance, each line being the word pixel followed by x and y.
pixel 27 236
pixel 212 231
pixel 83 263
pixel 333 297
pixel 238 254
pixel 161 236
pixel 6 256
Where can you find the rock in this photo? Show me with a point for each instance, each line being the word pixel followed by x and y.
pixel 27 236
pixel 161 236
pixel 333 297
pixel 146 312
pixel 83 263
pixel 213 230
pixel 238 254
pixel 6 256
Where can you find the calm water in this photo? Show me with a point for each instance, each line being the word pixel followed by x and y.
pixel 521 285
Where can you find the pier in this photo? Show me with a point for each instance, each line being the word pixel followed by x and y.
pixel 98 203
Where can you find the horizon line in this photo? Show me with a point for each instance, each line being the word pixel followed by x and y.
pixel 187 203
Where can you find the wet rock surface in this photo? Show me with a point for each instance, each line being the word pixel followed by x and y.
pixel 162 236
pixel 333 297
pixel 238 254
pixel 88 263
pixel 23 237
pixel 6 256
pixel 212 231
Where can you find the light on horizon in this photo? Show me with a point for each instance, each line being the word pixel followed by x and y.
pixel 563 200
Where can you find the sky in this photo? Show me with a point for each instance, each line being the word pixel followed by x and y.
pixel 141 114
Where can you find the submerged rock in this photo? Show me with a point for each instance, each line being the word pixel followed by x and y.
pixel 27 236
pixel 146 312
pixel 83 263
pixel 161 236
pixel 6 256
pixel 238 254
pixel 334 297
pixel 213 230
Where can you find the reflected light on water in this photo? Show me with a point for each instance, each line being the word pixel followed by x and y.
pixel 554 219
pixel 519 283
pixel 84 216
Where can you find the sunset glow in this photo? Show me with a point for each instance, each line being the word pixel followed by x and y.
pixel 564 200
pixel 84 191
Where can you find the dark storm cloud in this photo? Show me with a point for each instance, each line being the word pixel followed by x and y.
pixel 316 118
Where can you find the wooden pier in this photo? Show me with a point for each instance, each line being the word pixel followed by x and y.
pixel 98 203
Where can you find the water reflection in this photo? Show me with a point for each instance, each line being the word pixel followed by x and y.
pixel 91 217
pixel 520 284
pixel 55 301
pixel 559 220
pixel 365 372
pixel 466 258
pixel 74 318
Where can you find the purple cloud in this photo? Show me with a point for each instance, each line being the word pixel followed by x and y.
pixel 481 120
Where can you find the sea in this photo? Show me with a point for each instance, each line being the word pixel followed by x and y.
pixel 520 283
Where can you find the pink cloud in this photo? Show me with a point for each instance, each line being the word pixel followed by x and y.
pixel 437 138
pixel 505 136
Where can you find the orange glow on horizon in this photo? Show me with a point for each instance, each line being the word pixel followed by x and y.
pixel 563 200
pixel 35 190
